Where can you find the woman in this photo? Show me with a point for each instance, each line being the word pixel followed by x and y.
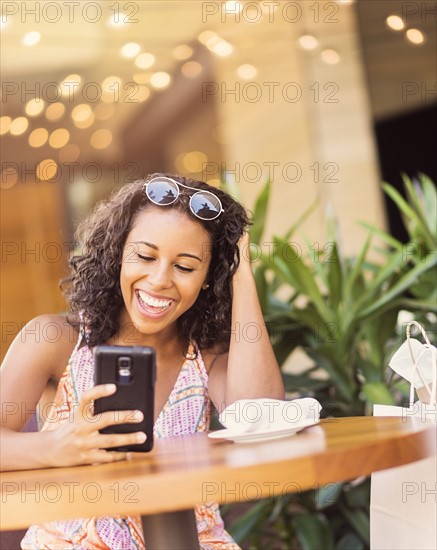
pixel 164 263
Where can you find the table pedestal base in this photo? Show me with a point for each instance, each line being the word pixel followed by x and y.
pixel 171 530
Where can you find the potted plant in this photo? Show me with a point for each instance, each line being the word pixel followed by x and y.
pixel 345 314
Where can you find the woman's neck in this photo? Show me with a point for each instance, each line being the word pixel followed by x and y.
pixel 167 343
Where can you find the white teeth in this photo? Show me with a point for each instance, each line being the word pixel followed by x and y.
pixel 148 300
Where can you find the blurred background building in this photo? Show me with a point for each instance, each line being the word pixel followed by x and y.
pixel 326 98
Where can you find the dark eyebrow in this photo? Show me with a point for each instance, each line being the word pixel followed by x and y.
pixel 179 255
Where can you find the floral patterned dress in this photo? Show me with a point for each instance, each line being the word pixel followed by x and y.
pixel 186 412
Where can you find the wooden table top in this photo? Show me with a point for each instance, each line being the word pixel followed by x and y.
pixel 187 470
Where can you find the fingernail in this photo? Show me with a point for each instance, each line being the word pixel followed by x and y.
pixel 141 437
pixel 138 415
pixel 110 387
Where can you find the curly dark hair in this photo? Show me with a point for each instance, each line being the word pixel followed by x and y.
pixel 92 288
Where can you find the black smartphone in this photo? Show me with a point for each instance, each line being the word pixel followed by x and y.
pixel 133 370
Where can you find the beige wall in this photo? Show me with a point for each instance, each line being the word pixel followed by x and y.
pixel 35 249
pixel 336 129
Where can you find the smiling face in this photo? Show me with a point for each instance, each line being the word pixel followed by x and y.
pixel 165 262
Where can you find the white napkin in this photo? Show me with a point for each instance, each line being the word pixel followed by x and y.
pixel 424 358
pixel 269 415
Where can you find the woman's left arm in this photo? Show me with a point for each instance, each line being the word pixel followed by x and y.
pixel 250 369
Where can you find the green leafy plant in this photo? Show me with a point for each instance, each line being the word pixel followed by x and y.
pixel 343 313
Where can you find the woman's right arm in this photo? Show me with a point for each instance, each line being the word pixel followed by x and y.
pixel 32 360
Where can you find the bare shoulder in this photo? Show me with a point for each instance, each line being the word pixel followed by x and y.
pixel 216 363
pixel 213 358
pixel 38 355
pixel 44 345
pixel 50 336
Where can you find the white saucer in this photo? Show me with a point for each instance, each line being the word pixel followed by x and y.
pixel 250 437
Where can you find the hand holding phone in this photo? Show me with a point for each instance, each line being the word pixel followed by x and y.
pixel 133 371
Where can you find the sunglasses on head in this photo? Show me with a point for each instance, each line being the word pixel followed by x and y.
pixel 163 191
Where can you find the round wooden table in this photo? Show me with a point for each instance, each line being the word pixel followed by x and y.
pixel 180 472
